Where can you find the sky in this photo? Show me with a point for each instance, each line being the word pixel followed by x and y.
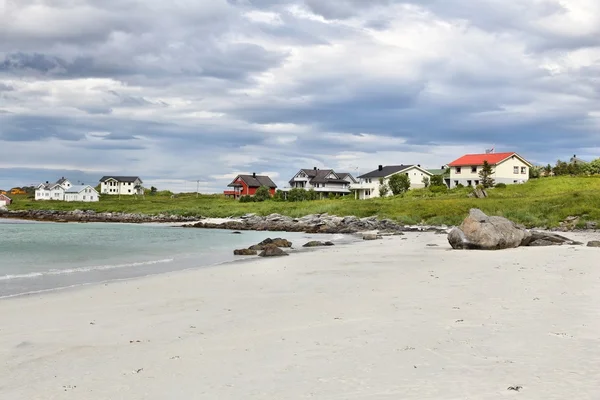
pixel 190 93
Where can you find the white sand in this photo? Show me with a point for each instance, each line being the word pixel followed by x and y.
pixel 389 319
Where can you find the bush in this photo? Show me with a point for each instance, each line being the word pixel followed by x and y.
pixel 438 189
pixel 279 195
pixel 297 194
pixel 311 195
pixel 262 194
pixel 399 184
pixel 331 196
pixel 437 180
pixel 459 186
pixel 246 199
pixel 500 185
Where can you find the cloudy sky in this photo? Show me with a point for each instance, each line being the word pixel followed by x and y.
pixel 186 90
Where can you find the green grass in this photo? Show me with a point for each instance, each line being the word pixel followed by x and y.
pixel 538 203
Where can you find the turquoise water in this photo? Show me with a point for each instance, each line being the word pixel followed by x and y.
pixel 39 256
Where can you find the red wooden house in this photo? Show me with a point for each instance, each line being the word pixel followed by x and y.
pixel 4 200
pixel 246 185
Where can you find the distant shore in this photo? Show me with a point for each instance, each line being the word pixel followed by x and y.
pixel 402 317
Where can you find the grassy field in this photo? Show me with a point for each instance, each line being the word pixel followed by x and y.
pixel 539 203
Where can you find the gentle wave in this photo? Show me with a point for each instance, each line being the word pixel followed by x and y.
pixel 81 269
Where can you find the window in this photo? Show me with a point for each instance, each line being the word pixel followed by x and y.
pixel 455 183
pixel 516 170
pixel 84 197
pixel 129 190
pixel 476 183
pixel 469 183
pixel 523 170
pixel 367 192
pixel 515 181
pixel 458 169
pixel 474 169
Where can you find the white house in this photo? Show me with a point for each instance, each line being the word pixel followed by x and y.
pixel 508 168
pixel 369 183
pixel 4 200
pixel 322 181
pixel 84 193
pixel 52 191
pixel 126 185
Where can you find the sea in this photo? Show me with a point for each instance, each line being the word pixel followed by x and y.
pixel 44 256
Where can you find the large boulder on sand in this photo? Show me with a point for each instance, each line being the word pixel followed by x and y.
pixel 245 252
pixel 479 231
pixel 271 250
pixel 279 242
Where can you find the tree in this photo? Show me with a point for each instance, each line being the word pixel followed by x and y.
pixel 486 175
pixel 547 170
pixel 383 188
pixel 399 184
pixel 311 194
pixel 262 194
pixel 437 180
pixel 426 181
pixel 153 190
pixel 534 172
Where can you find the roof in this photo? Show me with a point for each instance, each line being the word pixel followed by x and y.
pixel 3 196
pixel 49 186
pixel 386 171
pixel 345 175
pixel 478 159
pixel 61 181
pixel 121 178
pixel 255 181
pixel 320 176
pixel 78 188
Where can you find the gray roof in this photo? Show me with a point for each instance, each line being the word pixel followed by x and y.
pixel 120 178
pixel 255 181
pixel 61 180
pixel 320 176
pixel 385 171
pixel 346 176
pixel 78 188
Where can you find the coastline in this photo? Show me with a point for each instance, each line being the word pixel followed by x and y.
pixel 383 319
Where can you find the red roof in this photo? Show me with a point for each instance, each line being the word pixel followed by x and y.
pixel 478 159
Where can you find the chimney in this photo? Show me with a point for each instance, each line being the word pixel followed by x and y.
pixel 381 168
pixel 315 168
pixel 574 155
pixel 419 165
pixel 254 174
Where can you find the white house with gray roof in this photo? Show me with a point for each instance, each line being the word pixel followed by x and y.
pixel 323 181
pixel 369 183
pixel 121 185
pixel 85 193
pixel 52 191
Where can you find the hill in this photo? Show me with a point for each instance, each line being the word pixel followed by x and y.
pixel 541 202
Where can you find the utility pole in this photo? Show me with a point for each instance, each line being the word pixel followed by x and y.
pixel 197 187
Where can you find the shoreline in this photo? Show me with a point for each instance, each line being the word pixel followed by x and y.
pixel 382 319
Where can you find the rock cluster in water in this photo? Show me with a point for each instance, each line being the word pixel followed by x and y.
pixel 314 223
pixel 91 216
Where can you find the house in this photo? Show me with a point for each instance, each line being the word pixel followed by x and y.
pixel 4 200
pixel 85 193
pixel 126 185
pixel 246 185
pixel 508 168
pixel 577 160
pixel 369 183
pixel 52 191
pixel 17 191
pixel 322 181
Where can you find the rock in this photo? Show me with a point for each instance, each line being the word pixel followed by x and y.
pixel 479 193
pixel 431 245
pixel 245 252
pixel 593 243
pixel 316 243
pixel 279 242
pixel 591 225
pixel 548 239
pixel 271 250
pixel 478 231
pixel 569 223
pixel 371 236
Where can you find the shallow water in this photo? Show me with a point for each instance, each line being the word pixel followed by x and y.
pixel 38 256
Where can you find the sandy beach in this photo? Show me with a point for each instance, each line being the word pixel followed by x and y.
pixel 395 318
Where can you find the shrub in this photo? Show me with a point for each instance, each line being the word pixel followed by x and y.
pixel 246 199
pixel 438 189
pixel 311 195
pixel 399 184
pixel 437 180
pixel 426 181
pixel 500 185
pixel 262 194
pixel 297 194
pixel 279 195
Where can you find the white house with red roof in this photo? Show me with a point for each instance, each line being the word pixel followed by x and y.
pixel 508 168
